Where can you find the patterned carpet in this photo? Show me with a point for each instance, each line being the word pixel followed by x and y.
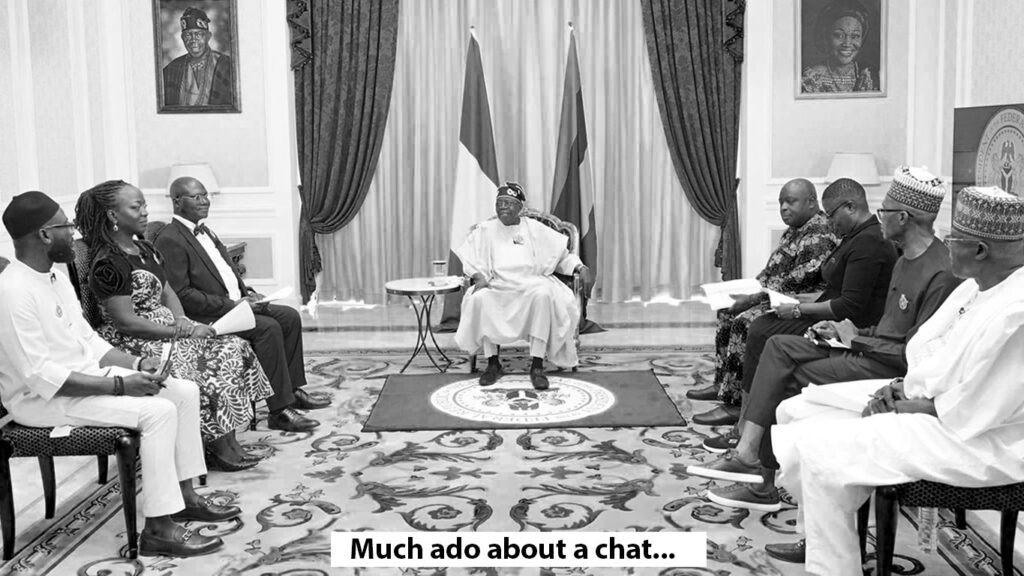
pixel 596 479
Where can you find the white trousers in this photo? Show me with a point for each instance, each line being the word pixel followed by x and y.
pixel 538 347
pixel 832 459
pixel 171 449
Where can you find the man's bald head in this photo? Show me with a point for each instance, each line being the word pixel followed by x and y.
pixel 190 198
pixel 798 202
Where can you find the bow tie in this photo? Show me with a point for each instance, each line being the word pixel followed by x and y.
pixel 202 229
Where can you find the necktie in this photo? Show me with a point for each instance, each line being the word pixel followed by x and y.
pixel 202 229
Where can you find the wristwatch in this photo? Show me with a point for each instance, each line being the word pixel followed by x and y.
pixel 796 311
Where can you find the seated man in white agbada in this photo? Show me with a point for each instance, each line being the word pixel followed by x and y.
pixel 515 296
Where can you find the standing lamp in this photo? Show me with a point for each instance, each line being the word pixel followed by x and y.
pixel 201 171
pixel 859 166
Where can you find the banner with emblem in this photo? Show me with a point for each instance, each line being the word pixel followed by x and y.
pixel 988 147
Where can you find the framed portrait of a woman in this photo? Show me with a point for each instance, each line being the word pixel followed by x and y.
pixel 840 48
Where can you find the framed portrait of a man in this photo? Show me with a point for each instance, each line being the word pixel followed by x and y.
pixel 840 48
pixel 196 56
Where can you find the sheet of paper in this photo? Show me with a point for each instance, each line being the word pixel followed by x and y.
pixel 835 397
pixel 717 294
pixel 238 319
pixel 277 295
pixel 61 431
pixel 777 298
pixel 836 343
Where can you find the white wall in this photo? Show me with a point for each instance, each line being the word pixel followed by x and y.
pixel 78 89
pixel 787 138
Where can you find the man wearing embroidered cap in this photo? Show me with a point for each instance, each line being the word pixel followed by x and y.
pixel 956 418
pixel 921 281
pixel 55 370
pixel 514 296
pixel 201 76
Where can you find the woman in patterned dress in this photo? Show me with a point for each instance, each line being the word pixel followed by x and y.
pixel 141 314
pixel 841 30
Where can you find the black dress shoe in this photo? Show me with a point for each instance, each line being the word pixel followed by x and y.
pixel 303 401
pixel 290 421
pixel 491 374
pixel 724 415
pixel 206 511
pixel 709 392
pixel 183 544
pixel 538 379
pixel 215 462
pixel 795 552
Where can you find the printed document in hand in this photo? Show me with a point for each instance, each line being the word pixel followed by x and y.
pixel 238 319
pixel 277 295
pixel 778 298
pixel 843 395
pixel 716 294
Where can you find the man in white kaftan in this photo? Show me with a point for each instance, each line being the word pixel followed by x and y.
pixel 515 297
pixel 956 418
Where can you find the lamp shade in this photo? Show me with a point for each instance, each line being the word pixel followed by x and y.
pixel 859 166
pixel 201 171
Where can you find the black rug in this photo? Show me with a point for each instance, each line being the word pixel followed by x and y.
pixel 575 399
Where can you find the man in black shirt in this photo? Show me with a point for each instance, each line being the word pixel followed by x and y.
pixel 921 281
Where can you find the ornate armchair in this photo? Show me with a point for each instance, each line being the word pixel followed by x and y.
pixel 574 282
pixel 18 441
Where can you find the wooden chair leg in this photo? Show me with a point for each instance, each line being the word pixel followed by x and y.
pixel 886 516
pixel 252 423
pixel 102 464
pixel 127 455
pixel 6 501
pixel 472 363
pixel 863 514
pixel 202 480
pixel 49 484
pixel 961 518
pixel 1007 533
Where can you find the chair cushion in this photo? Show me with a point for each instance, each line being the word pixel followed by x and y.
pixel 935 495
pixel 83 441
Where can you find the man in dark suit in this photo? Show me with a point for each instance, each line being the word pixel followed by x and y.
pixel 201 273
pixel 202 76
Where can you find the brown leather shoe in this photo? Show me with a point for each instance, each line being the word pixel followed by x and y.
pixel 206 511
pixel 724 415
pixel 305 401
pixel 491 374
pixel 183 544
pixel 538 379
pixel 290 421
pixel 709 392
pixel 795 552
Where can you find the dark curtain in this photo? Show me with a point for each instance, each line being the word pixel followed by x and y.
pixel 343 56
pixel 696 50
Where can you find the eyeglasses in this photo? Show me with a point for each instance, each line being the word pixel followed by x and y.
pixel 195 197
pixel 829 215
pixel 881 211
pixel 951 240
pixel 68 224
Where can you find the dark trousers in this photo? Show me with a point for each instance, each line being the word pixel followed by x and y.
pixel 788 364
pixel 277 341
pixel 759 332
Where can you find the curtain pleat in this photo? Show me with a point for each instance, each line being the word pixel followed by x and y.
pixel 696 50
pixel 650 240
pixel 344 61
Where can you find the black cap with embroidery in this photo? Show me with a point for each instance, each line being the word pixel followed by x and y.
pixel 512 190
pixel 194 19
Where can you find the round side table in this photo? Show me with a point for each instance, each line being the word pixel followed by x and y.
pixel 425 289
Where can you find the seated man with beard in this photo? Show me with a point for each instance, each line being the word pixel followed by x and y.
pixel 515 296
